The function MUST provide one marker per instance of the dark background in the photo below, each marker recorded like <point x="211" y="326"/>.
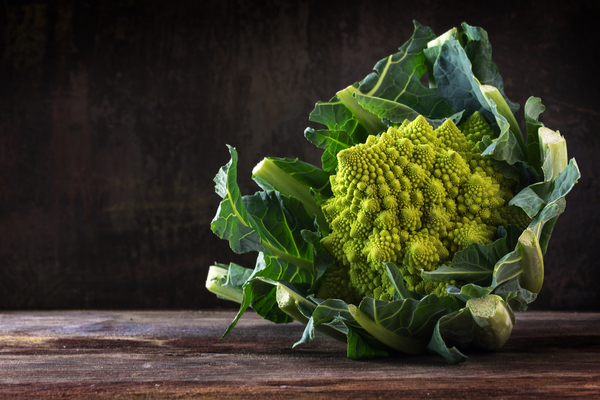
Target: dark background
<point x="114" y="118"/>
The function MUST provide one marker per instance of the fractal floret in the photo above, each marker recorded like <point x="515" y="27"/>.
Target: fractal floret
<point x="413" y="196"/>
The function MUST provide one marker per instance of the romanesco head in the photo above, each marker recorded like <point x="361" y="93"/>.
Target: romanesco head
<point x="413" y="196"/>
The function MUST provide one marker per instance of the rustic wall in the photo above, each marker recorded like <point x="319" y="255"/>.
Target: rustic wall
<point x="114" y="118"/>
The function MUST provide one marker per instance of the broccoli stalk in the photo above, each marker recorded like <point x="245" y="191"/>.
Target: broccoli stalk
<point x="553" y="149"/>
<point x="288" y="301"/>
<point x="217" y="282"/>
<point x="503" y="109"/>
<point x="439" y="41"/>
<point x="370" y="121"/>
<point x="269" y="174"/>
<point x="493" y="320"/>
<point x="291" y="303"/>
<point x="532" y="261"/>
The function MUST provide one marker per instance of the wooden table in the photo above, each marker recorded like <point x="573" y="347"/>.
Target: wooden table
<point x="142" y="354"/>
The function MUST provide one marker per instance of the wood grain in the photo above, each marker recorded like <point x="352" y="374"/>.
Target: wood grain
<point x="103" y="354"/>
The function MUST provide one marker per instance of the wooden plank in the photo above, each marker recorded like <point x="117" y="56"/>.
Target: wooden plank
<point x="139" y="354"/>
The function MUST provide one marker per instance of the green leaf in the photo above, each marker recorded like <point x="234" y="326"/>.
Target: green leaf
<point x="469" y="291"/>
<point x="554" y="210"/>
<point x="232" y="221"/>
<point x="485" y="322"/>
<point x="359" y="349"/>
<point x="264" y="221"/>
<point x="529" y="201"/>
<point x="307" y="175"/>
<point x="337" y="117"/>
<point x="533" y="109"/>
<point x="396" y="113"/>
<point x="274" y="268"/>
<point x="397" y="78"/>
<point x="261" y="295"/>
<point x="330" y="140"/>
<point x="279" y="221"/>
<point x="403" y="325"/>
<point x="307" y="335"/>
<point x="291" y="177"/>
<point x="512" y="293"/>
<point x="329" y="161"/>
<point x="565" y="181"/>
<point x="479" y="51"/>
<point x="334" y="314"/>
<point x="322" y="258"/>
<point x="459" y="87"/>
<point x="450" y="329"/>
<point x="398" y="281"/>
<point x="526" y="260"/>
<point x="226" y="281"/>
<point x="475" y="263"/>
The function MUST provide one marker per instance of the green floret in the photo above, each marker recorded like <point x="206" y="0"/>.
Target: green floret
<point x="412" y="196"/>
<point x="336" y="285"/>
<point x="475" y="128"/>
<point x="451" y="138"/>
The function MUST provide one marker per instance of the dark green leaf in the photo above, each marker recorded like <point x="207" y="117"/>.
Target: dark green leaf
<point x="232" y="221"/>
<point x="479" y="50"/>
<point x="307" y="174"/>
<point x="528" y="200"/>
<point x="337" y="117"/>
<point x="469" y="291"/>
<point x="512" y="293"/>
<point x="533" y="109"/>
<point x="331" y="140"/>
<point x="396" y="113"/>
<point x="359" y="349"/>
<point x="322" y="258"/>
<point x="475" y="263"/>
<point x="398" y="281"/>
<point x="260" y="294"/>
<point x="397" y="78"/>
<point x="452" y="328"/>
<point x="329" y="161"/>
<point x="458" y="86"/>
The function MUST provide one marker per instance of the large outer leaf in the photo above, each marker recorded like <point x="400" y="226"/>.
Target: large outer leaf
<point x="259" y="291"/>
<point x="232" y="221"/>
<point x="475" y="263"/>
<point x="398" y="78"/>
<point x="337" y="117"/>
<point x="526" y="261"/>
<point x="308" y="175"/>
<point x="479" y="50"/>
<point x="332" y="141"/>
<point x="458" y="86"/>
<point x="266" y="221"/>
<point x="396" y="113"/>
<point x="403" y="325"/>
<point x="485" y="322"/>
<point x="335" y="314"/>
<point x="452" y="331"/>
<point x="533" y="109"/>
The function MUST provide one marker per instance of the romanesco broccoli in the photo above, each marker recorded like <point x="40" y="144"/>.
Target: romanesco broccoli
<point x="413" y="196"/>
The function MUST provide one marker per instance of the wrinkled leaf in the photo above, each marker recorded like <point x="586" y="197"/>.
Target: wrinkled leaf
<point x="397" y="78"/>
<point x="475" y="263"/>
